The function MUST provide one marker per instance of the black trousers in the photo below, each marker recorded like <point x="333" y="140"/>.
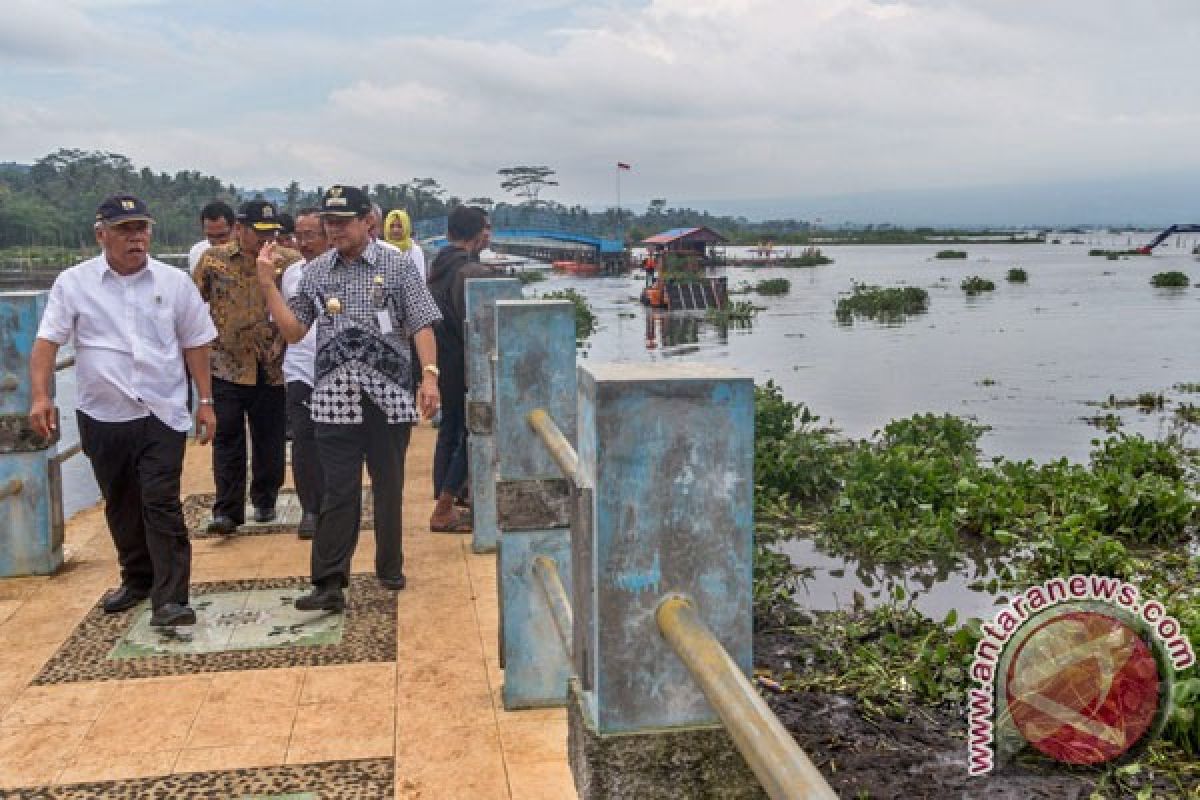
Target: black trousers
<point x="342" y="449"/>
<point x="137" y="465"/>
<point x="306" y="463"/>
<point x="450" y="453"/>
<point x="265" y="407"/>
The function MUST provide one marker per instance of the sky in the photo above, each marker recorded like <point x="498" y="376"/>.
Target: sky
<point x="764" y="107"/>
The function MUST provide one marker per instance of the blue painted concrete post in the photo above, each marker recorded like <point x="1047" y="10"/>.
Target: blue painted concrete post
<point x="535" y="368"/>
<point x="482" y="294"/>
<point x="30" y="544"/>
<point x="669" y="453"/>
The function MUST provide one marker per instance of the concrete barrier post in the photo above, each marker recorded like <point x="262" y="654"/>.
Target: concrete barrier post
<point x="481" y="295"/>
<point x="667" y="452"/>
<point x="30" y="541"/>
<point x="535" y="368"/>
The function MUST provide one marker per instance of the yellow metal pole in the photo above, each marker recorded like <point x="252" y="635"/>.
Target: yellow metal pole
<point x="783" y="769"/>
<point x="560" y="449"/>
<point x="12" y="488"/>
<point x="556" y="597"/>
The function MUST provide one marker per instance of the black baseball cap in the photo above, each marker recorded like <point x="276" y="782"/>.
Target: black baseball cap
<point x="260" y="215"/>
<point x="122" y="208"/>
<point x="286" y="222"/>
<point x="345" y="201"/>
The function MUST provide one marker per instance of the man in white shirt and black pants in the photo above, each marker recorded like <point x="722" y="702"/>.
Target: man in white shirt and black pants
<point x="135" y="322"/>
<point x="299" y="366"/>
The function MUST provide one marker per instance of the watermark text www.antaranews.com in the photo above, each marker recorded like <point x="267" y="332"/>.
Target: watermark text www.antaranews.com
<point x="1116" y="657"/>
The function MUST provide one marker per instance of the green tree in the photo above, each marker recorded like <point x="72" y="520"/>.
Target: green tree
<point x="527" y="181"/>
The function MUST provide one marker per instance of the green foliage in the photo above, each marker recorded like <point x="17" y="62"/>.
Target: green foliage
<point x="888" y="658"/>
<point x="1188" y="388"/>
<point x="945" y="254"/>
<point x="1170" y="280"/>
<point x="810" y="257"/>
<point x="54" y="202"/>
<point x="975" y="285"/>
<point x="1017" y="275"/>
<point x="773" y="286"/>
<point x="875" y="302"/>
<point x="1146" y="401"/>
<point x="1189" y="413"/>
<point x="793" y="457"/>
<point x="528" y="276"/>
<point x="916" y="490"/>
<point x="585" y="319"/>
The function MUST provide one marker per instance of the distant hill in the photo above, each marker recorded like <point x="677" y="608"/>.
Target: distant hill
<point x="1118" y="202"/>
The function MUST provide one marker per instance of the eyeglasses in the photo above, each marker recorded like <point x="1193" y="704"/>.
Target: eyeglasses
<point x="131" y="228"/>
<point x="309" y="237"/>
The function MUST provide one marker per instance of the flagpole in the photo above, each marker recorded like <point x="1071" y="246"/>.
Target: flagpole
<point x="619" y="228"/>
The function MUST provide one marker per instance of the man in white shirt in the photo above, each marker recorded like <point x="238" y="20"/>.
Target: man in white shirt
<point x="299" y="364"/>
<point x="135" y="322"/>
<point x="216" y="219"/>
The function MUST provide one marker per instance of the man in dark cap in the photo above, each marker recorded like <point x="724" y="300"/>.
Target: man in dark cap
<point x="247" y="369"/>
<point x="368" y="303"/>
<point x="135" y="322"/>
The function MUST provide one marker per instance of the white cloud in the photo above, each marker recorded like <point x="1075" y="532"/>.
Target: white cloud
<point x="705" y="97"/>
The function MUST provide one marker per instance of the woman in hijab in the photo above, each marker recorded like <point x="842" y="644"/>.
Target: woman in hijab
<point x="397" y="231"/>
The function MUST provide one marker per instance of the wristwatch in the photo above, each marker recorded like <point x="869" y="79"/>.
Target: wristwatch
<point x="205" y="401"/>
<point x="437" y="373"/>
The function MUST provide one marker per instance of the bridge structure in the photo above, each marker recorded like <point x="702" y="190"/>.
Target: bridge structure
<point x="546" y="244"/>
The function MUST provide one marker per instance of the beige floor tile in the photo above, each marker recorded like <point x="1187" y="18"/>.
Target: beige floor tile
<point x="206" y="759"/>
<point x="325" y="732"/>
<point x="441" y="668"/>
<point x="144" y="716"/>
<point x="98" y="766"/>
<point x="34" y="755"/>
<point x="257" y="687"/>
<point x="351" y="683"/>
<point x="545" y="780"/>
<point x="220" y="724"/>
<point x="527" y="741"/>
<point x="455" y="762"/>
<point x="417" y="704"/>
<point x="8" y="608"/>
<point x="34" y="624"/>
<point x="64" y="703"/>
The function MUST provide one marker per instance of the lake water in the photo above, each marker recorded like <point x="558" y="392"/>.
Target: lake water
<point x="1026" y="360"/>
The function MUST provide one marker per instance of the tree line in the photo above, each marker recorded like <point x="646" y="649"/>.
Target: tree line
<point x="52" y="203"/>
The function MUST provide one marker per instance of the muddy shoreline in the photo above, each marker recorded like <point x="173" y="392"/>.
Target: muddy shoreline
<point x="921" y="754"/>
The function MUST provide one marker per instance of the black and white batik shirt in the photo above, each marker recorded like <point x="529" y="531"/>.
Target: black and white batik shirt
<point x="366" y="312"/>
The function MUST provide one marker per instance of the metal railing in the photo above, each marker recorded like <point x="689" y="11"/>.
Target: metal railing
<point x="781" y="766"/>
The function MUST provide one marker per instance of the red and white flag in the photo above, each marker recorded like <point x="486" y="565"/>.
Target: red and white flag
<point x="623" y="165"/>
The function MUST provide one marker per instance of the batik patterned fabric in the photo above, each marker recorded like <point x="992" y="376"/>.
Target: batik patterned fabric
<point x="227" y="279"/>
<point x="366" y="312"/>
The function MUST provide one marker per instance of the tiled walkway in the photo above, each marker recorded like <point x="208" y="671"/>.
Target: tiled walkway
<point x="329" y="715"/>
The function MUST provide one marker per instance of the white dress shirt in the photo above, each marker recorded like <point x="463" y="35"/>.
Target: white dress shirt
<point x="194" y="255"/>
<point x="130" y="332"/>
<point x="417" y="254"/>
<point x="299" y="362"/>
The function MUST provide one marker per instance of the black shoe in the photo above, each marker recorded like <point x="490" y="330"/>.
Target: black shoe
<point x="172" y="614"/>
<point x="223" y="525"/>
<point x="264" y="514"/>
<point x="395" y="584"/>
<point x="122" y="599"/>
<point x="319" y="599"/>
<point x="308" y="525"/>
